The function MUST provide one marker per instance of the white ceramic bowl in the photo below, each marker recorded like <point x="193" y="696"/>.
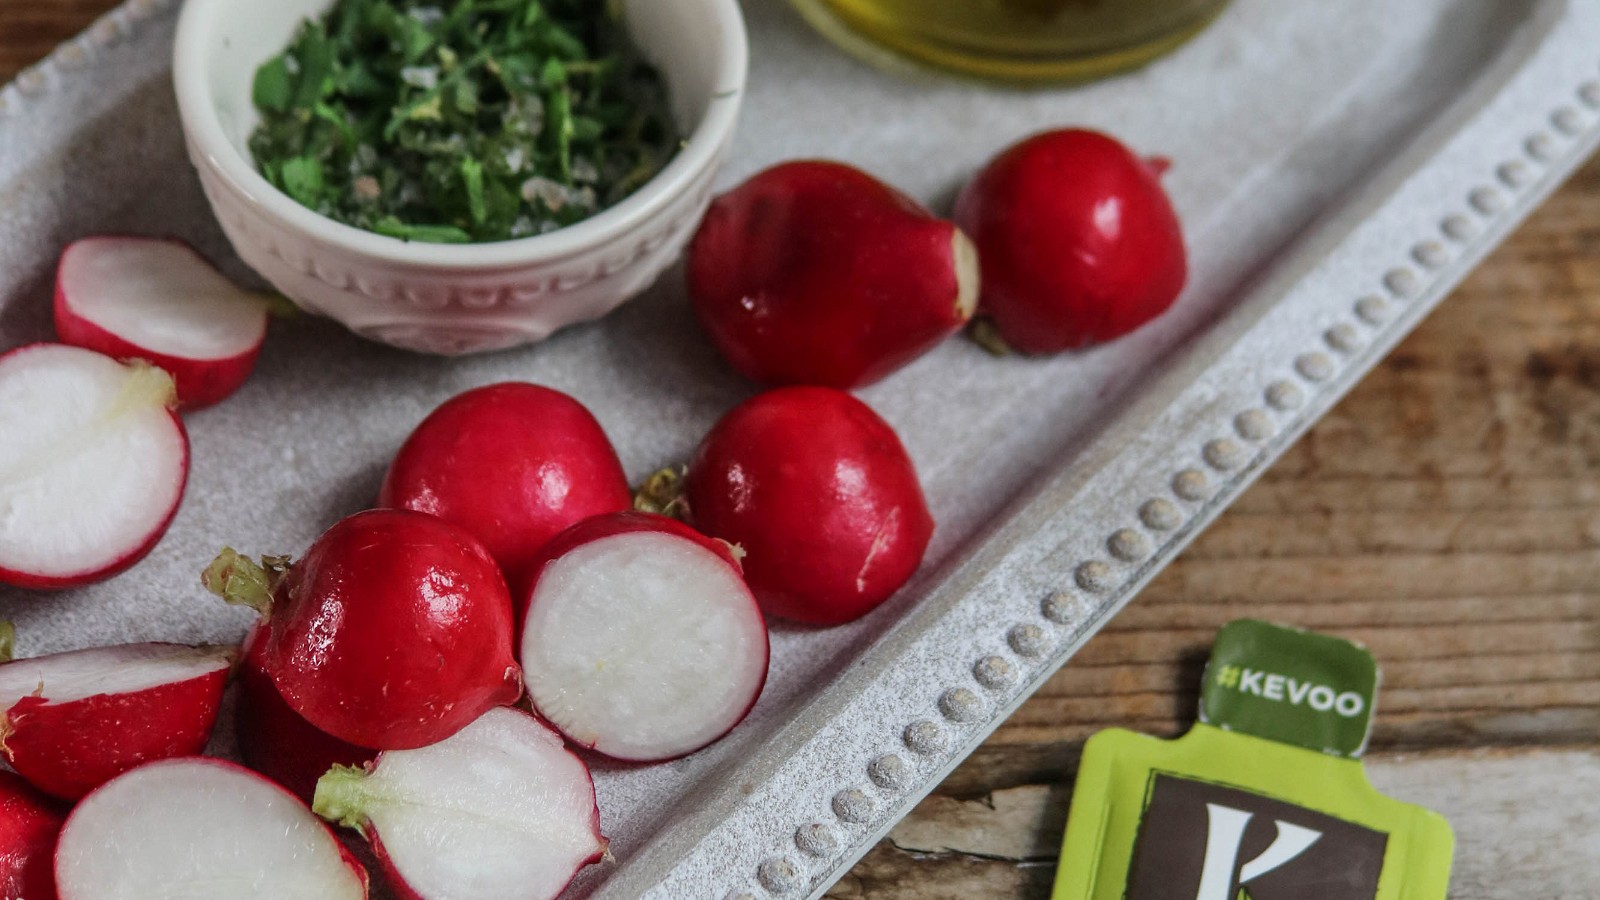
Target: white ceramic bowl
<point x="456" y="298"/>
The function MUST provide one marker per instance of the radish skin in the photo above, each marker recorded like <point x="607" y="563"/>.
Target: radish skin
<point x="513" y="464"/>
<point x="821" y="495"/>
<point x="29" y="826"/>
<point x="274" y="740"/>
<point x="814" y="272"/>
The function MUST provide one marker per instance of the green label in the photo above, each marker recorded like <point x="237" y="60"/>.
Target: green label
<point x="1296" y="687"/>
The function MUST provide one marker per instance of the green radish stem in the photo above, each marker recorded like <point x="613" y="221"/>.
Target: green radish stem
<point x="341" y="797"/>
<point x="8" y="647"/>
<point x="241" y="581"/>
<point x="984" y="333"/>
<point x="662" y="494"/>
<point x="277" y="305"/>
<point x="146" y="386"/>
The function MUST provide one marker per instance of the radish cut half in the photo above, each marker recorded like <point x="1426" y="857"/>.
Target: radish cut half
<point x="501" y="810"/>
<point x="644" y="643"/>
<point x="160" y="301"/>
<point x="200" y="829"/>
<point x="62" y="678"/>
<point x="73" y="721"/>
<point x="93" y="463"/>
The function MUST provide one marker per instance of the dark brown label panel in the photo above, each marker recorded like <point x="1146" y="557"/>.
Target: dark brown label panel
<point x="1200" y="841"/>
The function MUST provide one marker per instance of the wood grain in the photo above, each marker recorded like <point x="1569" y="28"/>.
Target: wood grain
<point x="29" y="29"/>
<point x="1447" y="514"/>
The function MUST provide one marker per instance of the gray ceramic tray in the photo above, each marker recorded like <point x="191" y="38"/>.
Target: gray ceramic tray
<point x="1339" y="167"/>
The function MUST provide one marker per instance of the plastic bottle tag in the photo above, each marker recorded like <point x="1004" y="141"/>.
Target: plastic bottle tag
<point x="1264" y="799"/>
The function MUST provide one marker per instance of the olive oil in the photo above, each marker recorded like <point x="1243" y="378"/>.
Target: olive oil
<point x="1014" y="40"/>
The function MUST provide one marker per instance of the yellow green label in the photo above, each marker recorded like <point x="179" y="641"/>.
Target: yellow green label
<point x="1225" y="816"/>
<point x="1265" y="799"/>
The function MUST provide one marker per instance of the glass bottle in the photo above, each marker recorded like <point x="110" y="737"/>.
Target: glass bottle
<point x="1014" y="40"/>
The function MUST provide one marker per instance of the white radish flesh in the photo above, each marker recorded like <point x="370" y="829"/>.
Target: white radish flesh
<point x="200" y="829"/>
<point x="92" y="464"/>
<point x="501" y="810"/>
<point x="643" y="645"/>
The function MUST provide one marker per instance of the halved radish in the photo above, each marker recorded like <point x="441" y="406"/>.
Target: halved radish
<point x="160" y="301"/>
<point x="93" y="463"/>
<point x="273" y="738"/>
<point x="29" y="826"/>
<point x="75" y="720"/>
<point x="200" y="829"/>
<point x="640" y="639"/>
<point x="501" y="810"/>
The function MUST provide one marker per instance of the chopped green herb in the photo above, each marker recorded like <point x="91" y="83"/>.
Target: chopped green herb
<point x="433" y="234"/>
<point x="463" y="121"/>
<point x="274" y="86"/>
<point x="472" y="177"/>
<point x="302" y="178"/>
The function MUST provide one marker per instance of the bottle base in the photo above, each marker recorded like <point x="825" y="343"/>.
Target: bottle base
<point x="889" y="50"/>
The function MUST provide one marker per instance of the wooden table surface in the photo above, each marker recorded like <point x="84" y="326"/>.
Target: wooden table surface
<point x="1446" y="514"/>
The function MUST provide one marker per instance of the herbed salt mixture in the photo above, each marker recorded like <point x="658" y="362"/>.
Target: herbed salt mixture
<point x="474" y="121"/>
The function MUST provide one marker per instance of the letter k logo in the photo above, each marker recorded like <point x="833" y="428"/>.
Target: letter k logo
<point x="1224" y="837"/>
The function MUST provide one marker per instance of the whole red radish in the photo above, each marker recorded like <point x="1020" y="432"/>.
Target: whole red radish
<point x="814" y="272"/>
<point x="513" y="464"/>
<point x="159" y="301"/>
<point x="274" y="740"/>
<point x="75" y="720"/>
<point x="1078" y="240"/>
<point x="93" y="462"/>
<point x="393" y="631"/>
<point x="200" y="829"/>
<point x="500" y="810"/>
<point x="29" y="825"/>
<point x="819" y="492"/>
<point x="639" y="638"/>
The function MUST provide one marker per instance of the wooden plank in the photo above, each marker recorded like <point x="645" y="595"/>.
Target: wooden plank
<point x="29" y="29"/>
